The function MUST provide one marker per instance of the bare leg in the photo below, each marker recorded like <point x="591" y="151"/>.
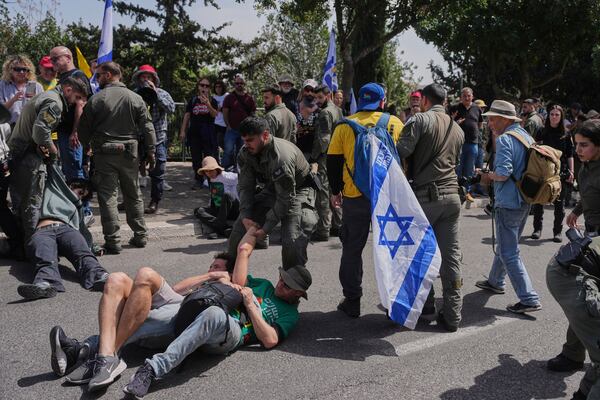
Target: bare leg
<point x="116" y="291"/>
<point x="147" y="282"/>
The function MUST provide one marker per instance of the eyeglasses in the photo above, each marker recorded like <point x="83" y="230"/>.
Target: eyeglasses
<point x="203" y="85"/>
<point x="21" y="70"/>
<point x="55" y="58"/>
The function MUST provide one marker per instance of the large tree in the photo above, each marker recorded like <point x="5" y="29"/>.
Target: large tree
<point x="363" y="28"/>
<point x="516" y="48"/>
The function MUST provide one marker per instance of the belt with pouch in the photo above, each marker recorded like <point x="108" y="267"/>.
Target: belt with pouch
<point x="431" y="192"/>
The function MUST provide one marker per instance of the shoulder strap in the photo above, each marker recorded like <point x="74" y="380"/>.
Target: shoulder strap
<point x="357" y="129"/>
<point x="384" y="119"/>
<point x="519" y="138"/>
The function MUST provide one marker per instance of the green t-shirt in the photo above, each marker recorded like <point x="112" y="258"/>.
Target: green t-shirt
<point x="278" y="313"/>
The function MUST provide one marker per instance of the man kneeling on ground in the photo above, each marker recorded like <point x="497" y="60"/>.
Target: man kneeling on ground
<point x="268" y="322"/>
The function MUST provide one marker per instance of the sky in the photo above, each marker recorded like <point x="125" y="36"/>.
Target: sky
<point x="245" y="25"/>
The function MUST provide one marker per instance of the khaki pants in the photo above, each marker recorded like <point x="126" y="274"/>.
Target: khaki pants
<point x="443" y="215"/>
<point x="115" y="171"/>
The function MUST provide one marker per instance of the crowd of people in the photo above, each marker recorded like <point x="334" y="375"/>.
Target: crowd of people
<point x="63" y="138"/>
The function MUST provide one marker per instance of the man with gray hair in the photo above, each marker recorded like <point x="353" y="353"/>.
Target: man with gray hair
<point x="510" y="209"/>
<point x="468" y="116"/>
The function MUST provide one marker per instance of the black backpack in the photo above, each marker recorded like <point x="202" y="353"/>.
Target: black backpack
<point x="206" y="295"/>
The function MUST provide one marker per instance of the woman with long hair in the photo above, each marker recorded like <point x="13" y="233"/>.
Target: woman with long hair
<point x="198" y="128"/>
<point x="554" y="135"/>
<point x="18" y="84"/>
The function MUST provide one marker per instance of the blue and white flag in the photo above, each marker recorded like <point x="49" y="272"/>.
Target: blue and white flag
<point x="106" y="38"/>
<point x="353" y="105"/>
<point x="106" y="43"/>
<point x="329" y="74"/>
<point x="407" y="257"/>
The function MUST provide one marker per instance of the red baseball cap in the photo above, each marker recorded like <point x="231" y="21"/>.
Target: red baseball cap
<point x="46" y="62"/>
<point x="416" y="93"/>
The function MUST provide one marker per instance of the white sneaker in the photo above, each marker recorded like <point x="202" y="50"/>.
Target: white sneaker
<point x="167" y="187"/>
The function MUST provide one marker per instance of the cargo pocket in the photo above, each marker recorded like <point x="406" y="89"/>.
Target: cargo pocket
<point x="592" y="297"/>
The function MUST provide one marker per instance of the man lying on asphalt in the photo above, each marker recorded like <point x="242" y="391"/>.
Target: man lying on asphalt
<point x="270" y="314"/>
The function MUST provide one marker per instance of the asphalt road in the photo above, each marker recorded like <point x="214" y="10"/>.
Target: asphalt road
<point x="495" y="354"/>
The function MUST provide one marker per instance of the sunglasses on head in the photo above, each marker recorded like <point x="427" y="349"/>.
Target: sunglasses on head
<point x="20" y="69"/>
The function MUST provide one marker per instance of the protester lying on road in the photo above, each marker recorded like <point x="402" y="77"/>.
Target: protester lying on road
<point x="61" y="231"/>
<point x="270" y="315"/>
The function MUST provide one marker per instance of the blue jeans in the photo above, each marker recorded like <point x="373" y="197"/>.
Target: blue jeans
<point x="71" y="161"/>
<point x="48" y="242"/>
<point x="468" y="157"/>
<point x="509" y="227"/>
<point x="158" y="331"/>
<point x="207" y="331"/>
<point x="233" y="143"/>
<point x="157" y="175"/>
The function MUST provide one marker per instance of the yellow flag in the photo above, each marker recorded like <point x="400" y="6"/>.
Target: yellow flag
<point x="83" y="64"/>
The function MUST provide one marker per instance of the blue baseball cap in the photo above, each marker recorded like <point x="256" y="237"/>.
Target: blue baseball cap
<point x="369" y="97"/>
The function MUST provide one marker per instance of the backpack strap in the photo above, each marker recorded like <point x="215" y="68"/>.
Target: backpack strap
<point x="523" y="142"/>
<point x="357" y="129"/>
<point x="384" y="119"/>
<point x="519" y="138"/>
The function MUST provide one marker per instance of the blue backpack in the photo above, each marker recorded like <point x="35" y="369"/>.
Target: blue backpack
<point x="362" y="150"/>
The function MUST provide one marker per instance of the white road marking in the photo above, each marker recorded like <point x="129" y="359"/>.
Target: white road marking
<point x="438" y="339"/>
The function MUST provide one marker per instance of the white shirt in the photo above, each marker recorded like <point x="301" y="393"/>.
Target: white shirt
<point x="219" y="120"/>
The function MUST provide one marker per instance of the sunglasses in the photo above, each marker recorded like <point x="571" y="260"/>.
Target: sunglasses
<point x="55" y="58"/>
<point x="20" y="69"/>
<point x="203" y="85"/>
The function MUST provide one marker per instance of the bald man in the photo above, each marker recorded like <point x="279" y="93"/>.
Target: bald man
<point x="71" y="152"/>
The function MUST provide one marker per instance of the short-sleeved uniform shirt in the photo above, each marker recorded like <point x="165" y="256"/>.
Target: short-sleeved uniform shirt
<point x="279" y="314"/>
<point x="342" y="143"/>
<point x="470" y="125"/>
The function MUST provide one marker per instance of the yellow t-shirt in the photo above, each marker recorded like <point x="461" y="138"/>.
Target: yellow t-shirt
<point x="342" y="142"/>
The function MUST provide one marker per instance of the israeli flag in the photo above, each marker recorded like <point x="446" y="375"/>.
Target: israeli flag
<point x="353" y="105"/>
<point x="407" y="257"/>
<point x="106" y="39"/>
<point x="329" y="74"/>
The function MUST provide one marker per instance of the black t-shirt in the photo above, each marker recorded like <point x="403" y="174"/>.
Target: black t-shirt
<point x="199" y="113"/>
<point x="66" y="123"/>
<point x="470" y="125"/>
<point x="553" y="137"/>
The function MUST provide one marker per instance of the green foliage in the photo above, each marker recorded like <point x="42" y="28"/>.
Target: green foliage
<point x="396" y="75"/>
<point x="516" y="48"/>
<point x="294" y="46"/>
<point x="19" y="38"/>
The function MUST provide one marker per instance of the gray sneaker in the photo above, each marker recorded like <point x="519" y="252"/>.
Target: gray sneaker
<point x="82" y="374"/>
<point x="106" y="370"/>
<point x="167" y="187"/>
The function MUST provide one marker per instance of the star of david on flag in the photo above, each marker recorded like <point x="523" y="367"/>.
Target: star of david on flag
<point x="407" y="258"/>
<point x="403" y="237"/>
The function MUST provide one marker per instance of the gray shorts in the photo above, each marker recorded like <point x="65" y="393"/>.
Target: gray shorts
<point x="165" y="295"/>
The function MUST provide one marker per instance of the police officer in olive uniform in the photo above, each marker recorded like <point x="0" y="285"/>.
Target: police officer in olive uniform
<point x="282" y="122"/>
<point x="110" y="122"/>
<point x="431" y="143"/>
<point x="573" y="279"/>
<point x="31" y="146"/>
<point x="287" y="195"/>
<point x="328" y="117"/>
